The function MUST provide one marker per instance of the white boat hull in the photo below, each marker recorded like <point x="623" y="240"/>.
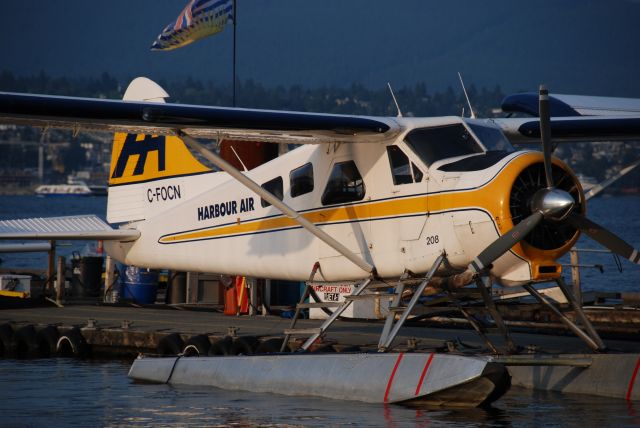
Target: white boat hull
<point x="63" y="190"/>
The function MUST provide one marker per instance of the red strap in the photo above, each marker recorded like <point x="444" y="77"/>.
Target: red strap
<point x="424" y="373"/>
<point x="633" y="380"/>
<point x="393" y="373"/>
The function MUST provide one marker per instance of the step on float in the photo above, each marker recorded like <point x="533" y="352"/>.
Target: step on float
<point x="416" y="378"/>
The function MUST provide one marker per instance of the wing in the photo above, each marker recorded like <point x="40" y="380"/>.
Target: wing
<point x="574" y="118"/>
<point x="83" y="227"/>
<point x="572" y="129"/>
<point x="198" y="121"/>
<point x="572" y="105"/>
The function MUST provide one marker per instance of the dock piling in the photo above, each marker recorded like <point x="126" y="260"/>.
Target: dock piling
<point x="61" y="279"/>
<point x="253" y="296"/>
<point x="110" y="293"/>
<point x="51" y="262"/>
<point x="192" y="287"/>
<point x="575" y="275"/>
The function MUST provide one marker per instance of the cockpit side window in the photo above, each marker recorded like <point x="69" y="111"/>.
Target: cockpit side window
<point x="402" y="171"/>
<point x="345" y="184"/>
<point x="417" y="174"/>
<point x="441" y="142"/>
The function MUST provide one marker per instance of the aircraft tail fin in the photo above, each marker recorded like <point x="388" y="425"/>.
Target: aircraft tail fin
<point x="142" y="165"/>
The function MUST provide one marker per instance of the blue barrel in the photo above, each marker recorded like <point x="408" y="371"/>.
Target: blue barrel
<point x="139" y="285"/>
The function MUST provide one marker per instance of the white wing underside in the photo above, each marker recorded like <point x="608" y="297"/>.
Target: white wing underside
<point x="80" y="227"/>
<point x="311" y="137"/>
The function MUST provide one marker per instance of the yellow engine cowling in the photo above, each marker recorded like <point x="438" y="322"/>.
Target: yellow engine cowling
<point x="549" y="240"/>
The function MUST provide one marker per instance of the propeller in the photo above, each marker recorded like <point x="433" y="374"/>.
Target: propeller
<point x="545" y="132"/>
<point x="554" y="204"/>
<point x="505" y="242"/>
<point x="604" y="237"/>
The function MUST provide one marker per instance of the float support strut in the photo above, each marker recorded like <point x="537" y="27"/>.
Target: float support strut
<point x="570" y="324"/>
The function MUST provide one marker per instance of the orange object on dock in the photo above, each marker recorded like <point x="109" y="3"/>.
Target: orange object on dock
<point x="236" y="300"/>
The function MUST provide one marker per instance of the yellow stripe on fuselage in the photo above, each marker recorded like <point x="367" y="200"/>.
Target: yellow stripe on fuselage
<point x="362" y="212"/>
<point x="492" y="197"/>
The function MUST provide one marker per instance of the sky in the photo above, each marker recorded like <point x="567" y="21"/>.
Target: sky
<point x="574" y="46"/>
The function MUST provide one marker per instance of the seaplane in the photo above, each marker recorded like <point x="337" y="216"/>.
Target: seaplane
<point x="437" y="202"/>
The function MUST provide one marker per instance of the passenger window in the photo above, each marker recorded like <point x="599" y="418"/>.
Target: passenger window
<point x="402" y="171"/>
<point x="345" y="184"/>
<point x="301" y="180"/>
<point x="275" y="187"/>
<point x="441" y="142"/>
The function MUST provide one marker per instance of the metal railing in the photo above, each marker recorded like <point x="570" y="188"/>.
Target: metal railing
<point x="576" y="266"/>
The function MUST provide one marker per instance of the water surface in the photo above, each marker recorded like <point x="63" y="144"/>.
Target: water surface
<point x="66" y="392"/>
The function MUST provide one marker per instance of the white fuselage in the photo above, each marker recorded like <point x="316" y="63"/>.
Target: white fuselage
<point x="217" y="225"/>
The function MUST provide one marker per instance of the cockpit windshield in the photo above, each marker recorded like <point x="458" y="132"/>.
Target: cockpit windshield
<point x="491" y="138"/>
<point x="441" y="142"/>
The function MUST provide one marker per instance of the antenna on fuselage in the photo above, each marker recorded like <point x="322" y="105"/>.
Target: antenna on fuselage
<point x="473" y="114"/>
<point x="394" y="100"/>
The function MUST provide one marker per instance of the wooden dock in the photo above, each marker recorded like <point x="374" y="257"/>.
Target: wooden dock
<point x="112" y="328"/>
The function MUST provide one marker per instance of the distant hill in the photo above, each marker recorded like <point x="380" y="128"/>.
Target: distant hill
<point x="587" y="46"/>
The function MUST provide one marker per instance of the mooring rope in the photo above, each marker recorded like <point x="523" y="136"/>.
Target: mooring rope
<point x="173" y="368"/>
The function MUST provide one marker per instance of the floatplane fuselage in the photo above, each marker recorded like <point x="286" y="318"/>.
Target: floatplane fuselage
<point x="445" y="185"/>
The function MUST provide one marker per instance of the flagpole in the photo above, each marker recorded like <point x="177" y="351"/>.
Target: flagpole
<point x="235" y="22"/>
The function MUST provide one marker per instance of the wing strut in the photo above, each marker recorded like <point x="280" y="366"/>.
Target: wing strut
<point x="269" y="197"/>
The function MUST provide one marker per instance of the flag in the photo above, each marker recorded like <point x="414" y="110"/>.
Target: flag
<point x="199" y="19"/>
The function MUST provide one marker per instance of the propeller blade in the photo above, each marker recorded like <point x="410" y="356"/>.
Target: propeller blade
<point x="545" y="132"/>
<point x="505" y="242"/>
<point x="604" y="237"/>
